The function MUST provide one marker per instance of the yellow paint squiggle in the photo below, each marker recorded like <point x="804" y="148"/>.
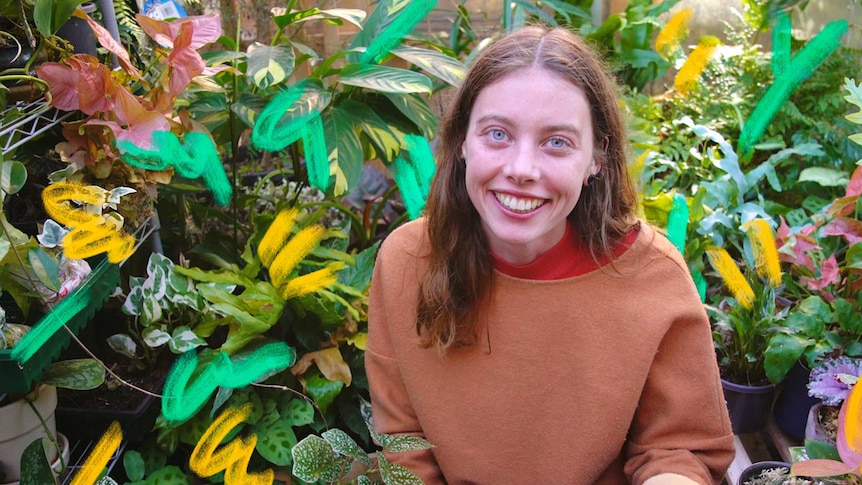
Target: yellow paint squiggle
<point x="233" y="457"/>
<point x="91" y="234"/>
<point x="97" y="461"/>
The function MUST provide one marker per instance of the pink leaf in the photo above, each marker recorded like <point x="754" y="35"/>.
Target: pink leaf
<point x="820" y="468"/>
<point x="849" y="229"/>
<point x="138" y="122"/>
<point x="184" y="62"/>
<point x="849" y="452"/>
<point x="828" y="275"/>
<point x="79" y="82"/>
<point x="855" y="185"/>
<point x="206" y="29"/>
<point x="108" y="42"/>
<point x="842" y="206"/>
<point x="793" y="248"/>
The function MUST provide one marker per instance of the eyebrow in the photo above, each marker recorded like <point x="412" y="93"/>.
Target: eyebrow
<point x="574" y="130"/>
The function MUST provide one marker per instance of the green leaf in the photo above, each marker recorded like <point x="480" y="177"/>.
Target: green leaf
<point x="343" y="145"/>
<point x="156" y="337"/>
<point x="820" y="450"/>
<point x="383" y="14"/>
<point x="447" y="68"/>
<point x="342" y="443"/>
<point x="50" y="15"/>
<point x="274" y="442"/>
<point x="52" y="234"/>
<point x="13" y="175"/>
<point x="152" y="310"/>
<point x="35" y="469"/>
<point x="170" y="475"/>
<point x="133" y="463"/>
<point x="76" y="374"/>
<point x="358" y="274"/>
<point x="394" y="474"/>
<point x="783" y="351"/>
<point x="853" y="258"/>
<point x="354" y="16"/>
<point x="386" y="140"/>
<point x="123" y="344"/>
<point x="269" y="65"/>
<point x="827" y="177"/>
<point x="385" y="79"/>
<point x="298" y="412"/>
<point x="416" y="109"/>
<point x="45" y="268"/>
<point x="399" y="442"/>
<point x="314" y="459"/>
<point x="183" y="339"/>
<point x="322" y="390"/>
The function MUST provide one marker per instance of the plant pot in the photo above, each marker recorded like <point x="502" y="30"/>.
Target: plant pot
<point x="814" y="429"/>
<point x="21" y="426"/>
<point x="61" y="463"/>
<point x="793" y="402"/>
<point x="748" y="406"/>
<point x="78" y="32"/>
<point x="755" y="469"/>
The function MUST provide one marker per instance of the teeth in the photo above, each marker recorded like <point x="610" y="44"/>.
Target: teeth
<point x="519" y="205"/>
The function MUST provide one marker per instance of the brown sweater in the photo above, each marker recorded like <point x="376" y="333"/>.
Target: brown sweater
<point x="608" y="377"/>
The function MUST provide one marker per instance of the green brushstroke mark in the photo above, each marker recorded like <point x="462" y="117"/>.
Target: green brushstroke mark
<point x="51" y="324"/>
<point x="789" y="74"/>
<point x="414" y="175"/>
<point x="677" y="222"/>
<point x="700" y="284"/>
<point x="272" y="135"/>
<point x="184" y="396"/>
<point x="390" y="37"/>
<point x="195" y="157"/>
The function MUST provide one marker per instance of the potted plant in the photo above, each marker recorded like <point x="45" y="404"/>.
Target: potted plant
<point x="31" y="415"/>
<point x="745" y="322"/>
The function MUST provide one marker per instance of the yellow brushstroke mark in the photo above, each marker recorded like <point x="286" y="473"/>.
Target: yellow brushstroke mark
<point x="853" y="419"/>
<point x="764" y="250"/>
<point x="309" y="283"/>
<point x="300" y="246"/>
<point x="276" y="236"/>
<point x="673" y="33"/>
<point x="91" y="234"/>
<point x="97" y="460"/>
<point x="732" y="276"/>
<point x="693" y="67"/>
<point x="233" y="457"/>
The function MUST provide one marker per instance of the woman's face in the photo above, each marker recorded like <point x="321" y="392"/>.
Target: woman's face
<point x="528" y="152"/>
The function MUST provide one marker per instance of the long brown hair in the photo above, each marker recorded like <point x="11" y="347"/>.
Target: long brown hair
<point x="461" y="271"/>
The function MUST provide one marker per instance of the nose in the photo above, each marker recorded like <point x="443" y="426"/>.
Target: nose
<point x="522" y="167"/>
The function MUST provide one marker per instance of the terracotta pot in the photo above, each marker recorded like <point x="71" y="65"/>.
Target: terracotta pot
<point x="21" y="426"/>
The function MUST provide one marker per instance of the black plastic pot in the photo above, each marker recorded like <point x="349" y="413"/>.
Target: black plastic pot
<point x="793" y="402"/>
<point x="755" y="469"/>
<point x="749" y="406"/>
<point x="78" y="32"/>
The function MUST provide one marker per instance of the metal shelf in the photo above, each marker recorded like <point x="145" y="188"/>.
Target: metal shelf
<point x="24" y="121"/>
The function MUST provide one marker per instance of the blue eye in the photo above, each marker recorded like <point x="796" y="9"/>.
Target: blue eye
<point x="497" y="135"/>
<point x="557" y="143"/>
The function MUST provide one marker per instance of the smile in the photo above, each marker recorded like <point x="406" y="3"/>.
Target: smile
<point x="516" y="204"/>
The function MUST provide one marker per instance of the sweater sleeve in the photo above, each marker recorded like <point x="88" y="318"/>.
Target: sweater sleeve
<point x="391" y="409"/>
<point x="681" y="425"/>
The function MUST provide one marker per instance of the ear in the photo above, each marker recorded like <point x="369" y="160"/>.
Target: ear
<point x="464" y="150"/>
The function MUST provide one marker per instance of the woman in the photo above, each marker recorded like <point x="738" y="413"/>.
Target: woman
<point x="530" y="327"/>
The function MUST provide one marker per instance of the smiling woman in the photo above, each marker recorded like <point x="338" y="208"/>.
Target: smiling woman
<point x="560" y="339"/>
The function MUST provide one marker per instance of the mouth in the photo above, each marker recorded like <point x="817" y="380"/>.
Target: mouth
<point x="518" y="204"/>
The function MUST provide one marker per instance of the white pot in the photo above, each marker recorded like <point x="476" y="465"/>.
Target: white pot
<point x="59" y="465"/>
<point x="21" y="426"/>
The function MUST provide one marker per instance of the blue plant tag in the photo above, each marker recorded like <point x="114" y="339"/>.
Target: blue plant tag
<point x="163" y="9"/>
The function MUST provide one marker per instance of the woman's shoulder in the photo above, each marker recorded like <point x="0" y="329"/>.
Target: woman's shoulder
<point x="408" y="239"/>
<point x="653" y="246"/>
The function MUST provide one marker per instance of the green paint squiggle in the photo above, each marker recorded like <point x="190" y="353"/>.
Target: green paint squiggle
<point x="414" y="176"/>
<point x="401" y="26"/>
<point x="195" y="157"/>
<point x="184" y="396"/>
<point x="677" y="222"/>
<point x="271" y="134"/>
<point x="789" y="75"/>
